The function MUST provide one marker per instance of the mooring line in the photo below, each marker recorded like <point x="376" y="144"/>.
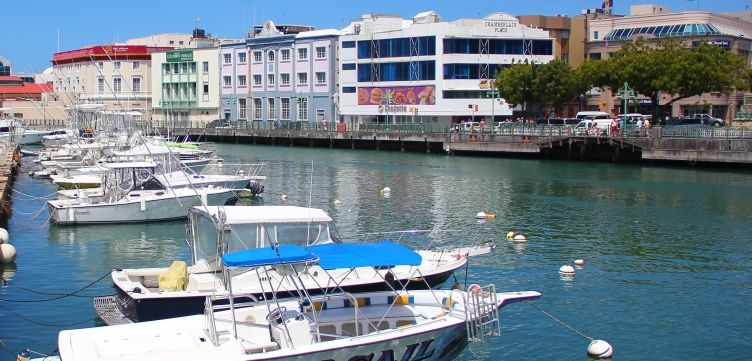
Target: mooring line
<point x="560" y="321"/>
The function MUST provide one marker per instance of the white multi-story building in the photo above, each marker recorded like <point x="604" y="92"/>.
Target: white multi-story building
<point x="185" y="85"/>
<point x="426" y="70"/>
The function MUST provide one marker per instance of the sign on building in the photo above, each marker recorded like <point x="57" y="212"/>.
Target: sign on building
<point x="174" y="56"/>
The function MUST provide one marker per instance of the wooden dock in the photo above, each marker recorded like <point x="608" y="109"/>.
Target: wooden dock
<point x="10" y="159"/>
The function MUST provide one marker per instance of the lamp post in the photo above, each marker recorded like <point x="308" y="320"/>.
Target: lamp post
<point x="493" y="94"/>
<point x="582" y="100"/>
<point x="626" y="93"/>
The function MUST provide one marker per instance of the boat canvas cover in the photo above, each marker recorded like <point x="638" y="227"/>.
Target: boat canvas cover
<point x="265" y="214"/>
<point x="352" y="255"/>
<point x="268" y="256"/>
<point x="330" y="256"/>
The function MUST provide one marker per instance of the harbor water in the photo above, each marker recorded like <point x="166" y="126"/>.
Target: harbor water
<point x="667" y="250"/>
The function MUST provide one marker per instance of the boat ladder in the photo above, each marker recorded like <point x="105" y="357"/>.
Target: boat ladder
<point x="481" y="313"/>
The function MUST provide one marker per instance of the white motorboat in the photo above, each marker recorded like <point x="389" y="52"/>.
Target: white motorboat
<point x="133" y="194"/>
<point x="142" y="297"/>
<point x="12" y="130"/>
<point x="388" y="325"/>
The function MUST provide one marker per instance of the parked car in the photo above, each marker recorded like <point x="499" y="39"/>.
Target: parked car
<point x="707" y="119"/>
<point x="219" y="123"/>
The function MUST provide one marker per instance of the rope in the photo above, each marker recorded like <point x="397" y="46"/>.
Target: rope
<point x="34" y="214"/>
<point x="8" y="282"/>
<point x="43" y="323"/>
<point x="59" y="296"/>
<point x="559" y="321"/>
<point x="33" y="197"/>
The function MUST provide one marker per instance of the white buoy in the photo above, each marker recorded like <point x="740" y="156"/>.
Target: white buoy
<point x="387" y="189"/>
<point x="567" y="270"/>
<point x="519" y="238"/>
<point x="600" y="349"/>
<point x="579" y="262"/>
<point x="284" y="197"/>
<point x="337" y="203"/>
<point x="7" y="253"/>
<point x="3" y="236"/>
<point x="481" y="215"/>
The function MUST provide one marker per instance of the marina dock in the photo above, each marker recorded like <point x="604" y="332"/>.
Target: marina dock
<point x="723" y="145"/>
<point x="8" y="166"/>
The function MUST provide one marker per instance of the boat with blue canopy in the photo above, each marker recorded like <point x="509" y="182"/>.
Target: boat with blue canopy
<point x="338" y="325"/>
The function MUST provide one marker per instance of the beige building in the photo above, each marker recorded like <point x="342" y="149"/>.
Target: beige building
<point x="185" y="85"/>
<point x="568" y="34"/>
<point x="607" y="34"/>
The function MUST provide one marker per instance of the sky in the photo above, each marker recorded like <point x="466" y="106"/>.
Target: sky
<point x="31" y="28"/>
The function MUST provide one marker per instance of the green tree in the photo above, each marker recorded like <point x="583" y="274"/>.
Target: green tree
<point x="555" y="84"/>
<point x="516" y="85"/>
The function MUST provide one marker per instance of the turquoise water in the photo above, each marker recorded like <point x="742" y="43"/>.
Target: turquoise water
<point x="668" y="251"/>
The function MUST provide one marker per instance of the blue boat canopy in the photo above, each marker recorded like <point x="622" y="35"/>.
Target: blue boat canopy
<point x="351" y="255"/>
<point x="330" y="256"/>
<point x="268" y="256"/>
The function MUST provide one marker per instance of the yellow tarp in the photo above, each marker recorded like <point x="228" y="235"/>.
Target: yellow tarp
<point x="175" y="278"/>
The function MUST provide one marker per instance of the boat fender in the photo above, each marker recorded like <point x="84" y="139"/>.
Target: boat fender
<point x="7" y="253"/>
<point x="136" y="290"/>
<point x="3" y="236"/>
<point x="24" y="355"/>
<point x="143" y="204"/>
<point x="474" y="289"/>
<point x="600" y="349"/>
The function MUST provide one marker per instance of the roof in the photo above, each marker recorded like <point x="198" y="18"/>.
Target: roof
<point x="10" y="78"/>
<point x="329" y="256"/>
<point x="317" y="33"/>
<point x="26" y="88"/>
<point x="266" y="214"/>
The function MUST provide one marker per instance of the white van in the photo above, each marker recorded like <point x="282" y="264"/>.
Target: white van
<point x="592" y="115"/>
<point x="602" y="126"/>
<point x="470" y="127"/>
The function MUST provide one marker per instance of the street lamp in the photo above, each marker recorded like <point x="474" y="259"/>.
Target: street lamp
<point x="582" y="100"/>
<point x="626" y="93"/>
<point x="493" y="94"/>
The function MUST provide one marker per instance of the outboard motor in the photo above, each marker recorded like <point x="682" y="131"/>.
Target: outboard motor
<point x="256" y="188"/>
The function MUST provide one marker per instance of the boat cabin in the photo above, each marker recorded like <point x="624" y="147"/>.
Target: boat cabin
<point x="214" y="231"/>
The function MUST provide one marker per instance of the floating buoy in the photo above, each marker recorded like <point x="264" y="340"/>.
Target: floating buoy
<point x="567" y="270"/>
<point x="284" y="197"/>
<point x="387" y="189"/>
<point x="337" y="203"/>
<point x="519" y="238"/>
<point x="600" y="349"/>
<point x="3" y="236"/>
<point x="485" y="215"/>
<point x="24" y="355"/>
<point x="579" y="262"/>
<point x="7" y="253"/>
<point x="385" y="192"/>
<point x="510" y="235"/>
<point x="480" y="215"/>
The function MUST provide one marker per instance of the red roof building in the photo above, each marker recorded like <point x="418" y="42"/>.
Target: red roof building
<point x="13" y="88"/>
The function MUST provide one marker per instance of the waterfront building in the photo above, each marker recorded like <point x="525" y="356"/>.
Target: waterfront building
<point x="607" y="34"/>
<point x="280" y="74"/>
<point x="185" y="85"/>
<point x="395" y="70"/>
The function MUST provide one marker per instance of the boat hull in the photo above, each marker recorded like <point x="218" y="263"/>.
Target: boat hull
<point x="132" y="211"/>
<point x="186" y="304"/>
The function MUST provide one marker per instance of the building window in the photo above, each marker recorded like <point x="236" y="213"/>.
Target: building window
<point x="470" y="71"/>
<point x="256" y="56"/>
<point x="100" y="85"/>
<point x="399" y="71"/>
<point x="302" y="108"/>
<point x="227" y="58"/>
<point x="166" y="68"/>
<point x="241" y="80"/>
<point x="272" y="110"/>
<point x="285" y="78"/>
<point x="256" y="80"/>
<point x="285" y="54"/>
<point x="227" y="81"/>
<point x="348" y="89"/>
<point x="302" y="53"/>
<point x="285" y="103"/>
<point x="270" y="56"/>
<point x="206" y="88"/>
<point x="184" y="68"/>
<point x="242" y="108"/>
<point x="117" y="85"/>
<point x="136" y="65"/>
<point x="100" y="65"/>
<point x="302" y="78"/>
<point x="206" y="67"/>
<point x="320" y="52"/>
<point x="348" y="44"/>
<point x="193" y="68"/>
<point x="595" y="35"/>
<point x="116" y="64"/>
<point x="348" y="66"/>
<point x="494" y="46"/>
<point x="398" y="47"/>
<point x="257" y="108"/>
<point x="270" y="79"/>
<point x="175" y="68"/>
<point x="136" y="81"/>
<point x="241" y="58"/>
<point x="320" y="78"/>
<point x="595" y="56"/>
